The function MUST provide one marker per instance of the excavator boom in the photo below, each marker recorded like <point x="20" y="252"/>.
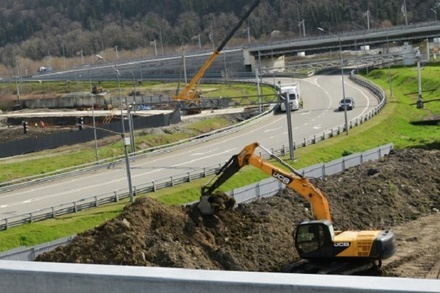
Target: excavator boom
<point x="293" y="180"/>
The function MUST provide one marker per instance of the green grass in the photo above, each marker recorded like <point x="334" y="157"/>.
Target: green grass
<point x="65" y="158"/>
<point x="391" y="125"/>
<point x="71" y="156"/>
<point x="45" y="231"/>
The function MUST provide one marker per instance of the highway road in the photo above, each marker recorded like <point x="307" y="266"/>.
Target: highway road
<point x="321" y="95"/>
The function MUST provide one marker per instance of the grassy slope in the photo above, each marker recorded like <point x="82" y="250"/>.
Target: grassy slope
<point x="391" y="125"/>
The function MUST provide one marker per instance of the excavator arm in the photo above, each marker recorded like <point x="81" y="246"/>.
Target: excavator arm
<point x="292" y="179"/>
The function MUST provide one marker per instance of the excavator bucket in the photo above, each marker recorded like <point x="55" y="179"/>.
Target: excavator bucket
<point x="213" y="203"/>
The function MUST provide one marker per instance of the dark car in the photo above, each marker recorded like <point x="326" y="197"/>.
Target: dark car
<point x="347" y="102"/>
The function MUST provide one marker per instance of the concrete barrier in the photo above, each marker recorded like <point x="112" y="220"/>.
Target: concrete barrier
<point x="35" y="277"/>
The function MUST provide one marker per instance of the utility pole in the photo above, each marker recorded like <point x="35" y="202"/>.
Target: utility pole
<point x="368" y="19"/>
<point x="302" y="26"/>
<point x="405" y="12"/>
<point x="342" y="77"/>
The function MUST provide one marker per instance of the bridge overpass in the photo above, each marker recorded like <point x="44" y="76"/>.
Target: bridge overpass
<point x="236" y="62"/>
<point x="350" y="40"/>
<point x="273" y="55"/>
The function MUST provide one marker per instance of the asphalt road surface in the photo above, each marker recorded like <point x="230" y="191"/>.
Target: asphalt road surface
<point x="321" y="96"/>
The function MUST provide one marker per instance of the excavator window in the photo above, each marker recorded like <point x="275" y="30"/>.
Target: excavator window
<point x="310" y="238"/>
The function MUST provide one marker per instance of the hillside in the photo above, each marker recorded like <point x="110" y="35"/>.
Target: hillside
<point x="40" y="29"/>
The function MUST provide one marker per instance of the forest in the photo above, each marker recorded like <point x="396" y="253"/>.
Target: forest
<point x="39" y="29"/>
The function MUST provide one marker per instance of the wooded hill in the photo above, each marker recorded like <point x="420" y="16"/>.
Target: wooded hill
<point x="36" y="29"/>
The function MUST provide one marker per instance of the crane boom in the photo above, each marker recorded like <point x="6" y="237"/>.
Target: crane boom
<point x="190" y="90"/>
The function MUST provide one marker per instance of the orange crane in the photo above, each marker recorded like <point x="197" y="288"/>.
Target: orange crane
<point x="190" y="98"/>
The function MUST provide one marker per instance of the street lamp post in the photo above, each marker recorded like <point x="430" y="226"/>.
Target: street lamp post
<point x="131" y="126"/>
<point x="132" y="107"/>
<point x="185" y="78"/>
<point x="126" y="143"/>
<point x="435" y="13"/>
<point x="93" y="115"/>
<point x="418" y="57"/>
<point x="154" y="43"/>
<point x="342" y="76"/>
<point x="389" y="68"/>
<point x="405" y="12"/>
<point x="16" y="85"/>
<point x="117" y="52"/>
<point x="434" y="9"/>
<point x="81" y="53"/>
<point x="289" y="121"/>
<point x="302" y="25"/>
<point x="211" y="34"/>
<point x="161" y="42"/>
<point x="125" y="140"/>
<point x="367" y="14"/>
<point x="386" y="55"/>
<point x="197" y="37"/>
<point x="257" y="79"/>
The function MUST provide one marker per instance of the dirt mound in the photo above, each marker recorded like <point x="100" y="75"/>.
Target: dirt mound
<point x="257" y="236"/>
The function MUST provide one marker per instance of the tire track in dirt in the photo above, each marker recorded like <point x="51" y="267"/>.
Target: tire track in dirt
<point x="418" y="249"/>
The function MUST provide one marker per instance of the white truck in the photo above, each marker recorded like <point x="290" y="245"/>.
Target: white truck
<point x="44" y="69"/>
<point x="292" y="91"/>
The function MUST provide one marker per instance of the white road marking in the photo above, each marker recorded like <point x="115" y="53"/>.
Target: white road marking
<point x="273" y="129"/>
<point x="203" y="153"/>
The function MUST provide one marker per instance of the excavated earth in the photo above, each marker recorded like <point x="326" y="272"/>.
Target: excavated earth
<point x="400" y="192"/>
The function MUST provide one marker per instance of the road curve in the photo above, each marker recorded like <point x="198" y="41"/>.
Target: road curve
<point x="321" y="94"/>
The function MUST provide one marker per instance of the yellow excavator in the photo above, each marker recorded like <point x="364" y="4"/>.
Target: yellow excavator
<point x="322" y="249"/>
<point x="189" y="98"/>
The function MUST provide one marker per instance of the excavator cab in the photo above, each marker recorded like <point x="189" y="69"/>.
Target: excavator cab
<point x="314" y="239"/>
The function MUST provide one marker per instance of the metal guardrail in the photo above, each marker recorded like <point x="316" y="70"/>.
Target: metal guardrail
<point x="100" y="199"/>
<point x="271" y="186"/>
<point x="106" y="163"/>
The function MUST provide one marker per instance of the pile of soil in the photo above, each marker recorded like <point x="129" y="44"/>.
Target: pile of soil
<point x="400" y="191"/>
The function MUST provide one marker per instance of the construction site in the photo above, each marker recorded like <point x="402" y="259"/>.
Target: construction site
<point x="398" y="193"/>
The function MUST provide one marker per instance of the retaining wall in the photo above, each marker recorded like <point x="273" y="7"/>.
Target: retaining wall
<point x="29" y="145"/>
<point x="24" y="277"/>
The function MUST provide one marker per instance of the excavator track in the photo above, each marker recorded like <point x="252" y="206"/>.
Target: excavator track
<point x="335" y="267"/>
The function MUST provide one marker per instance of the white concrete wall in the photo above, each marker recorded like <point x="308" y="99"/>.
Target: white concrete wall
<point x="39" y="277"/>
